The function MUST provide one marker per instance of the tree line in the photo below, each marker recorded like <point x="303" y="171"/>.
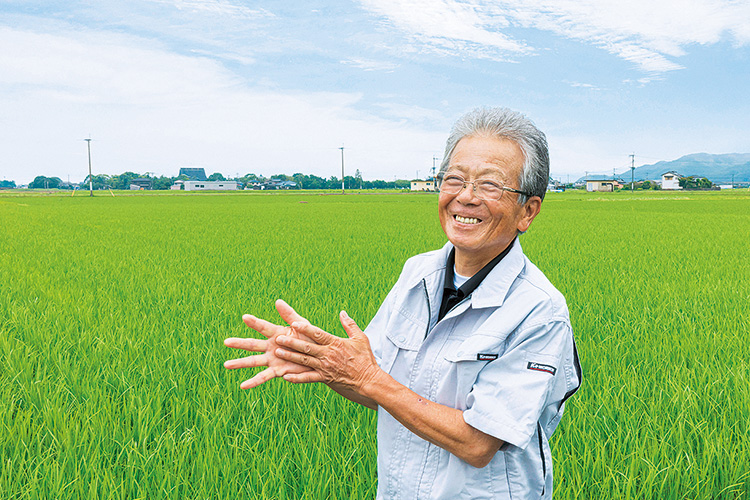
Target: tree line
<point x="303" y="181"/>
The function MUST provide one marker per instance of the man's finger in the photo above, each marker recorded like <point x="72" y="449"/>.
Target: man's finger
<point x="287" y="313"/>
<point x="259" y="379"/>
<point x="253" y="361"/>
<point x="300" y="346"/>
<point x="350" y="326"/>
<point x="300" y="359"/>
<point x="252" y="345"/>
<point x="313" y="332"/>
<point x="265" y="328"/>
<point x="304" y="378"/>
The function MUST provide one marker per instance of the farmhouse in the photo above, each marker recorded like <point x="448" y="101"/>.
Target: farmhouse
<point x="194" y="174"/>
<point x="606" y="185"/>
<point x="140" y="183"/>
<point x="670" y="180"/>
<point x="205" y="185"/>
<point x="272" y="184"/>
<point x="423" y="185"/>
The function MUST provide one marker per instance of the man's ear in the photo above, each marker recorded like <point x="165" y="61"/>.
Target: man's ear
<point x="529" y="210"/>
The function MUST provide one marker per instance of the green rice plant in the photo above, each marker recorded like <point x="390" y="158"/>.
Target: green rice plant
<point x="113" y="310"/>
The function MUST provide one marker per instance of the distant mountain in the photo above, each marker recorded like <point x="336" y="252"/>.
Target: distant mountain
<point x="716" y="168"/>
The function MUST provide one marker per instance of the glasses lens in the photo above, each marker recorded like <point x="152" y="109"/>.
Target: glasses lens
<point x="452" y="184"/>
<point x="488" y="189"/>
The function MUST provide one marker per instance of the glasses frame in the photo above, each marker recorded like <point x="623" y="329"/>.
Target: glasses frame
<point x="473" y="183"/>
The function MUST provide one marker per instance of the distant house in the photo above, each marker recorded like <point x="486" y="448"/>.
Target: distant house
<point x="194" y="174"/>
<point x="605" y="185"/>
<point x="670" y="180"/>
<point x="140" y="183"/>
<point x="205" y="185"/>
<point x="271" y="185"/>
<point x="418" y="185"/>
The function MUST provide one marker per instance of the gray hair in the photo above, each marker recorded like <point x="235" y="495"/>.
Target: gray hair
<point x="504" y="123"/>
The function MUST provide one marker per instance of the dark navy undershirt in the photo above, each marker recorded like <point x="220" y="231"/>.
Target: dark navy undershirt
<point x="451" y="296"/>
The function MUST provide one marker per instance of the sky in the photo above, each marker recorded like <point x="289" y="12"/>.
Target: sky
<point x="264" y="87"/>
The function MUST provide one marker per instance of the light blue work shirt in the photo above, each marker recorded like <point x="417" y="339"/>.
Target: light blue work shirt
<point x="505" y="356"/>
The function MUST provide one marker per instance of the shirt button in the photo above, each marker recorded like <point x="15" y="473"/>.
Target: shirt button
<point x="402" y="338"/>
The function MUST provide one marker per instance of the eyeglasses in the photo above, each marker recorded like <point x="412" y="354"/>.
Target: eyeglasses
<point x="484" y="189"/>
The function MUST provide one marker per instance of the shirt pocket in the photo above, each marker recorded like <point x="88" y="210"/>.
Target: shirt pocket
<point x="466" y="359"/>
<point x="401" y="334"/>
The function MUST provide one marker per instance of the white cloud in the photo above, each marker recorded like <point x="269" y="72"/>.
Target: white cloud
<point x="218" y="7"/>
<point x="369" y="65"/>
<point x="151" y="110"/>
<point x="650" y="34"/>
<point x="449" y="26"/>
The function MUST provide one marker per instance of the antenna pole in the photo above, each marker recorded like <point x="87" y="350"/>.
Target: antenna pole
<point x="434" y="179"/>
<point x="91" y="184"/>
<point x="342" y="170"/>
<point x="632" y="172"/>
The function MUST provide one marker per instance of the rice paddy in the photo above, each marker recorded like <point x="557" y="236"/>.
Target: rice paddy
<point x="113" y="311"/>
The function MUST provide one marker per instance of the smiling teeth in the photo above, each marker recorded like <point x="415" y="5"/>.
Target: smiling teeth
<point x="467" y="220"/>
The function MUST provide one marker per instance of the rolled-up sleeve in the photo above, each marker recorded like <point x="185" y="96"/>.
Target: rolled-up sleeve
<point x="511" y="392"/>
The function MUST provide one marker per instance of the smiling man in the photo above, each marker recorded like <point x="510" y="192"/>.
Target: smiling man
<point x="471" y="357"/>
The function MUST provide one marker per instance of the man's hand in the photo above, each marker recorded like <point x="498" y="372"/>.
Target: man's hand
<point x="337" y="361"/>
<point x="275" y="366"/>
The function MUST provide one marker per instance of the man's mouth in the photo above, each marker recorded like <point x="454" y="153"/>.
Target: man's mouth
<point x="467" y="220"/>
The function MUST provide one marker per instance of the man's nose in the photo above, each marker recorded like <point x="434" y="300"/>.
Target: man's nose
<point x="467" y="194"/>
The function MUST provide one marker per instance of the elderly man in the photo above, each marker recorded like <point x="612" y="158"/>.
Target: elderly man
<point x="471" y="356"/>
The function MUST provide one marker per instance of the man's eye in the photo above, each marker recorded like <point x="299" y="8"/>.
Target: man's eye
<point x="491" y="185"/>
<point x="452" y="179"/>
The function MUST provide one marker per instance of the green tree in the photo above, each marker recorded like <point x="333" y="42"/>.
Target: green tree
<point x="7" y="184"/>
<point x="216" y="176"/>
<point x="162" y="183"/>
<point x="42" y="182"/>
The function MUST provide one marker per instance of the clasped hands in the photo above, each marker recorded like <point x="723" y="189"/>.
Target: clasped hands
<point x="304" y="353"/>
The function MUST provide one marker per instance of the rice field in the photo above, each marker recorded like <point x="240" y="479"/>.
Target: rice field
<point x="113" y="311"/>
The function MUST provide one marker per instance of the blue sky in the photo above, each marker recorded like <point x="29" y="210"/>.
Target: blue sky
<point x="279" y="87"/>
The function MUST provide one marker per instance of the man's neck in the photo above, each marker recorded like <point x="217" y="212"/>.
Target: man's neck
<point x="468" y="264"/>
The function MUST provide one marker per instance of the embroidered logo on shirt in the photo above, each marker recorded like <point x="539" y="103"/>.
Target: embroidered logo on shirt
<point x="485" y="356"/>
<point x="541" y="367"/>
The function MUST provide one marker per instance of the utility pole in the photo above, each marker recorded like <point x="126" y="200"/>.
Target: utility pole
<point x="91" y="184"/>
<point x="632" y="172"/>
<point x="342" y="170"/>
<point x="434" y="178"/>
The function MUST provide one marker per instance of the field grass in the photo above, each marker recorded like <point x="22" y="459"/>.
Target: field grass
<point x="113" y="311"/>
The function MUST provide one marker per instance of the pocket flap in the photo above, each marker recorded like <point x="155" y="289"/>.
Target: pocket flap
<point x="477" y="348"/>
<point x="404" y="334"/>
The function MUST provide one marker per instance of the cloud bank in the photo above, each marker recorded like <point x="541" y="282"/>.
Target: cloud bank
<point x="649" y="34"/>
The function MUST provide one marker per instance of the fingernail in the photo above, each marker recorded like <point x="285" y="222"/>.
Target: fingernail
<point x="345" y="315"/>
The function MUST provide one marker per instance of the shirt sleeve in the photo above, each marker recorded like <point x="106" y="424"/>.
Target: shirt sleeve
<point x="510" y="393"/>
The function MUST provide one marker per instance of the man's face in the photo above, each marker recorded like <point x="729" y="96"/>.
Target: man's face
<point x="481" y="229"/>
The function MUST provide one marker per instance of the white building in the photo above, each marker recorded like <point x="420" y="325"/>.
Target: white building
<point x="205" y="185"/>
<point x="670" y="180"/>
<point x="423" y="185"/>
<point x="606" y="185"/>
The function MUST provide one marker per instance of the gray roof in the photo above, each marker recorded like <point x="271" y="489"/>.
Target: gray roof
<point x="194" y="174"/>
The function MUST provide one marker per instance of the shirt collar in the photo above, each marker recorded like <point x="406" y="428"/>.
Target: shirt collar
<point x="491" y="292"/>
<point x="472" y="283"/>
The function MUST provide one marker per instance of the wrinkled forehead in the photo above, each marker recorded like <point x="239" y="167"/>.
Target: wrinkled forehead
<point x="486" y="156"/>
